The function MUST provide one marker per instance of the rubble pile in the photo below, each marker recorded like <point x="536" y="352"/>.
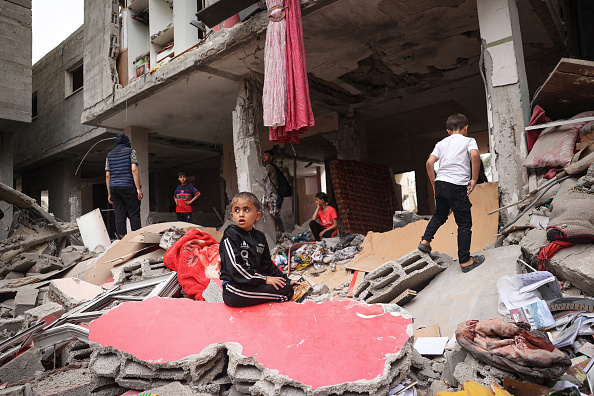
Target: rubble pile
<point x="117" y="321"/>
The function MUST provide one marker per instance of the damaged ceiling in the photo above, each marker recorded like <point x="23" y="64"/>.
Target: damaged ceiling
<point x="383" y="58"/>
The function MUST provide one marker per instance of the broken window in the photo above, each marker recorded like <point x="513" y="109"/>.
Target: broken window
<point x="45" y="200"/>
<point x="74" y="79"/>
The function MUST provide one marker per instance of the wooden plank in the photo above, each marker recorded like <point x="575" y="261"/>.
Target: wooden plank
<point x="379" y="248"/>
<point x="222" y="10"/>
<point x="568" y="90"/>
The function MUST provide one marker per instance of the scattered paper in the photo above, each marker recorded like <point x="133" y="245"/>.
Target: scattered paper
<point x="431" y="345"/>
<point x="587" y="349"/>
<point x="536" y="314"/>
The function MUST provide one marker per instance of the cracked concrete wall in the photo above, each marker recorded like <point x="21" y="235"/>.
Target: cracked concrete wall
<point x="351" y="138"/>
<point x="251" y="175"/>
<point x="508" y="104"/>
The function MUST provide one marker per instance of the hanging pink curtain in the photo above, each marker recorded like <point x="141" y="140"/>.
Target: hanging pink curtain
<point x="274" y="95"/>
<point x="299" y="113"/>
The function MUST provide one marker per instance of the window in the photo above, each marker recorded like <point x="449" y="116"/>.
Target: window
<point x="34" y="106"/>
<point x="45" y="200"/>
<point x="74" y="79"/>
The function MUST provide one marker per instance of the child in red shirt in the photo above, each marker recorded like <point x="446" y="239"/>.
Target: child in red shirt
<point x="327" y="227"/>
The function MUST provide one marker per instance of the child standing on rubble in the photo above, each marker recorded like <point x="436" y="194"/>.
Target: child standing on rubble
<point x="184" y="197"/>
<point x="451" y="187"/>
<point x="249" y="276"/>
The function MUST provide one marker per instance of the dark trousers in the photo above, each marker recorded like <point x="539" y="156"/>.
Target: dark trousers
<point x="126" y="205"/>
<point x="279" y="204"/>
<point x="452" y="196"/>
<point x="186" y="216"/>
<point x="316" y="228"/>
<point x="235" y="295"/>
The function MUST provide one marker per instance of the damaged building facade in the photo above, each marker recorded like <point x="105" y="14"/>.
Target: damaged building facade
<point x="15" y="85"/>
<point x="382" y="82"/>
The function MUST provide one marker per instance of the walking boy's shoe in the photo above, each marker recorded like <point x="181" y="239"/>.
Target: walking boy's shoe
<point x="424" y="248"/>
<point x="476" y="261"/>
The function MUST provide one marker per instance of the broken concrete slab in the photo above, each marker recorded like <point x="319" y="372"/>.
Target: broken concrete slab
<point x="14" y="275"/>
<point x="22" y="367"/>
<point x="473" y="370"/>
<point x="73" y="381"/>
<point x="71" y="292"/>
<point x="11" y="325"/>
<point x="21" y="243"/>
<point x="176" y="389"/>
<point x="46" y="263"/>
<point x="262" y="353"/>
<point x="26" y="298"/>
<point x="453" y="296"/>
<point x="411" y="271"/>
<point x="74" y="254"/>
<point x="573" y="264"/>
<point x="35" y="314"/>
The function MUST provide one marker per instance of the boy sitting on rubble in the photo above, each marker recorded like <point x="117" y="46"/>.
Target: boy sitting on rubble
<point x="452" y="186"/>
<point x="249" y="276"/>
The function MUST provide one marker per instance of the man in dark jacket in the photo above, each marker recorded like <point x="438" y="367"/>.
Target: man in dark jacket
<point x="123" y="184"/>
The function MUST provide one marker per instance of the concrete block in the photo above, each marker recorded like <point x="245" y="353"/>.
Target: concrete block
<point x="74" y="254"/>
<point x="75" y="352"/>
<point x="23" y="262"/>
<point x="71" y="292"/>
<point x="22" y="367"/>
<point x="25" y="299"/>
<point x="11" y="325"/>
<point x="386" y="282"/>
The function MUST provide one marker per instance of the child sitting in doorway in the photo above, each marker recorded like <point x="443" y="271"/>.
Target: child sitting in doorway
<point x="249" y="276"/>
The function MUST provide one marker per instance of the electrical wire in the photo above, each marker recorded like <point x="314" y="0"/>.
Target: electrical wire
<point x="85" y="156"/>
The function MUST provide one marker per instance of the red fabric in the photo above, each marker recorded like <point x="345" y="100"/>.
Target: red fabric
<point x="326" y="219"/>
<point x="546" y="253"/>
<point x="299" y="113"/>
<point x="538" y="117"/>
<point x="550" y="174"/>
<point x="195" y="257"/>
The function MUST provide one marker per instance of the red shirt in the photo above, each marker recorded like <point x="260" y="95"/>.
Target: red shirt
<point x="327" y="219"/>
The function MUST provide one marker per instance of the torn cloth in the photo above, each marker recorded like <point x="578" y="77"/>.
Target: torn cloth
<point x="510" y="347"/>
<point x="195" y="257"/>
<point x="299" y="115"/>
<point x="538" y="117"/>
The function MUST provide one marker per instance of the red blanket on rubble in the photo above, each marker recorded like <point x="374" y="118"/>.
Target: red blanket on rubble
<point x="512" y="347"/>
<point x="195" y="257"/>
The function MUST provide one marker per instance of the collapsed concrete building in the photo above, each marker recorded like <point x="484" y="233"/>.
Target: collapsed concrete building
<point x="383" y="78"/>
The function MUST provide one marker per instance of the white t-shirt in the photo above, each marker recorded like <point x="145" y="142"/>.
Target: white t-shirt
<point x="453" y="154"/>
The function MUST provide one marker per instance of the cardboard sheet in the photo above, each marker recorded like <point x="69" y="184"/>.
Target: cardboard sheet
<point x="379" y="248"/>
<point x="125" y="249"/>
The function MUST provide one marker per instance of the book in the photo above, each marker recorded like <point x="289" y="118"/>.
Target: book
<point x="302" y="289"/>
<point x="536" y="314"/>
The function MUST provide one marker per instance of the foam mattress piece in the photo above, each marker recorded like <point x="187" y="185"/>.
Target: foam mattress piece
<point x="316" y="344"/>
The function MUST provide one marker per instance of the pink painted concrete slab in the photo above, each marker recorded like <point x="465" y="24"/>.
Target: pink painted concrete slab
<point x="316" y="344"/>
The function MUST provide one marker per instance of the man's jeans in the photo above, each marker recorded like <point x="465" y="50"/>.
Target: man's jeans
<point x="125" y="205"/>
<point x="452" y="196"/>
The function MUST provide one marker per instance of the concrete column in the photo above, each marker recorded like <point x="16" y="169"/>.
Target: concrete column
<point x="251" y="175"/>
<point x="6" y="174"/>
<point x="71" y="192"/>
<point x="508" y="104"/>
<point x="139" y="138"/>
<point x="351" y="138"/>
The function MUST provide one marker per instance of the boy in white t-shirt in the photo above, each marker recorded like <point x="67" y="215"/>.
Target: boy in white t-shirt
<point x="452" y="186"/>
